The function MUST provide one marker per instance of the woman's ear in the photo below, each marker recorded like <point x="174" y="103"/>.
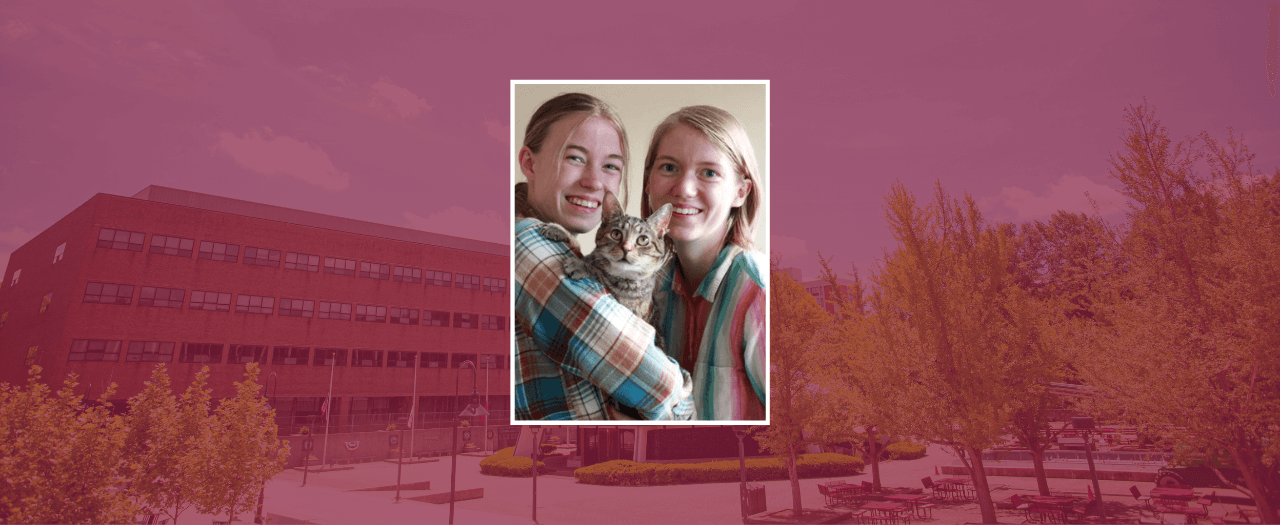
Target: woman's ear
<point x="526" y="162"/>
<point x="744" y="189"/>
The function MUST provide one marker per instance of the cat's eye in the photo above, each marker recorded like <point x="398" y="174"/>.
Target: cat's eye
<point x="615" y="235"/>
<point x="642" y="240"/>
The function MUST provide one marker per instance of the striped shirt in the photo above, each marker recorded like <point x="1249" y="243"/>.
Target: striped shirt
<point x="718" y="331"/>
<point x="577" y="347"/>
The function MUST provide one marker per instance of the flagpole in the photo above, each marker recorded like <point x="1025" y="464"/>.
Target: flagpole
<point x="413" y="411"/>
<point x="328" y="403"/>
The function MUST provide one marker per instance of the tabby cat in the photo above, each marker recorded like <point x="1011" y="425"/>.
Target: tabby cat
<point x="629" y="251"/>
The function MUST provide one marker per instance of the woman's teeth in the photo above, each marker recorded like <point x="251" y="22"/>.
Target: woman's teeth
<point x="583" y="202"/>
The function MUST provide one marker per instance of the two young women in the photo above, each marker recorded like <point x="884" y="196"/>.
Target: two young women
<point x="576" y="346"/>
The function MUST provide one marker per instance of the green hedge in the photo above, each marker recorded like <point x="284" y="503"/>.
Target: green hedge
<point x="503" y="463"/>
<point x="629" y="473"/>
<point x="905" y="450"/>
<point x="548" y="448"/>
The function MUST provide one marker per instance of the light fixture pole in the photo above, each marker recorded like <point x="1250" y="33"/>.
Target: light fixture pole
<point x="741" y="432"/>
<point x="537" y="451"/>
<point x="1085" y="425"/>
<point x="262" y="491"/>
<point x="473" y="409"/>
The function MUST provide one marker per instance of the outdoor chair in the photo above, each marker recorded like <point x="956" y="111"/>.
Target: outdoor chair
<point x="1049" y="513"/>
<point x="1018" y="504"/>
<point x="1137" y="495"/>
<point x="938" y="491"/>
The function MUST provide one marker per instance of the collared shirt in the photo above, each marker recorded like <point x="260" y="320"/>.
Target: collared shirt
<point x="718" y="331"/>
<point x="576" y="346"/>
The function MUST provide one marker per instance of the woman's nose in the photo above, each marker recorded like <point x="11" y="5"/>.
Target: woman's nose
<point x="591" y="179"/>
<point x="685" y="186"/>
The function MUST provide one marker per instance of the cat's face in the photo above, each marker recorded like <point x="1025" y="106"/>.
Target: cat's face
<point x="632" y="244"/>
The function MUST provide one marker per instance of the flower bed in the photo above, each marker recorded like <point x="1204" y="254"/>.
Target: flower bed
<point x="503" y="463"/>
<point x="629" y="473"/>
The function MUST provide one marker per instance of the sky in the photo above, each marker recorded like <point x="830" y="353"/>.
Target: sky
<point x="398" y="112"/>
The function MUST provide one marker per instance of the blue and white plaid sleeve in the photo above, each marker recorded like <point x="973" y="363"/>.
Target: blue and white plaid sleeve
<point x="577" y="346"/>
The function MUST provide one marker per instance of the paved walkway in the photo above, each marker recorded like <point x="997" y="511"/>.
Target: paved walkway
<point x="329" y="498"/>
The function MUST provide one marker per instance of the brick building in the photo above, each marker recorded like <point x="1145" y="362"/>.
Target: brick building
<point x="189" y="280"/>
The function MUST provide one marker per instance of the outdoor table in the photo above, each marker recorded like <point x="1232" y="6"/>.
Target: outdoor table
<point x="960" y="486"/>
<point x="1170" y="493"/>
<point x="885" y="509"/>
<point x="1191" y="513"/>
<point x="911" y="500"/>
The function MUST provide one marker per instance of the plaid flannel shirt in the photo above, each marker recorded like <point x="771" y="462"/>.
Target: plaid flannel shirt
<point x="576" y="346"/>
<point x="718" y="331"/>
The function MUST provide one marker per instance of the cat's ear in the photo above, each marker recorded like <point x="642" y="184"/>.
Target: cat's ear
<point x="611" y="206"/>
<point x="659" y="220"/>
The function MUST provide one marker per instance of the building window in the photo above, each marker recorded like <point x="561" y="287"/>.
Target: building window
<point x="201" y="353"/>
<point x="216" y="251"/>
<point x="172" y="245"/>
<point x="44" y="303"/>
<point x="494" y="284"/>
<point x="330" y="357"/>
<point x="301" y="261"/>
<point x="18" y="273"/>
<point x="339" y="311"/>
<point x="261" y="257"/>
<point x="120" y="240"/>
<point x="435" y="278"/>
<point x="371" y="314"/>
<point x="407" y="275"/>
<point x="433" y="318"/>
<point x="211" y="301"/>
<point x="94" y="350"/>
<point x="435" y="360"/>
<point x="457" y="359"/>
<point x="490" y="361"/>
<point x="493" y="322"/>
<point x="367" y="358"/>
<point x="404" y="316"/>
<point x="106" y="293"/>
<point x="466" y="321"/>
<point x="375" y="271"/>
<point x="31" y="355"/>
<point x="149" y="351"/>
<point x="470" y="282"/>
<point x="161" y="297"/>
<point x="58" y="253"/>
<point x="248" y="354"/>
<point x="290" y="355"/>
<point x="400" y="359"/>
<point x="337" y="266"/>
<point x="296" y="307"/>
<point x="253" y="304"/>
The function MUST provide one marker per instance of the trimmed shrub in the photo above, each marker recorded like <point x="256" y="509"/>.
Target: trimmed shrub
<point x="548" y="448"/>
<point x="905" y="450"/>
<point x="621" y="472"/>
<point x="503" y="463"/>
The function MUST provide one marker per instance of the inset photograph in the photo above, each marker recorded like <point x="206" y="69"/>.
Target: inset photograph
<point x="640" y="274"/>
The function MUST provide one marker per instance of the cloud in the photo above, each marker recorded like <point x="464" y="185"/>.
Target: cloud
<point x="461" y="222"/>
<point x="497" y="130"/>
<point x="1071" y="193"/>
<point x="400" y="99"/>
<point x="264" y="152"/>
<point x="18" y="29"/>
<point x="17" y="236"/>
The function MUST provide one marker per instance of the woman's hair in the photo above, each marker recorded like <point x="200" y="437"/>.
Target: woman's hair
<point x="726" y="133"/>
<point x="567" y="104"/>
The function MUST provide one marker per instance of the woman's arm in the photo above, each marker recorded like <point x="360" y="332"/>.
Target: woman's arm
<point x="588" y="334"/>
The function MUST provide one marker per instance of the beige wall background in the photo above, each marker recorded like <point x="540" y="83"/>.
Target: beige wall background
<point x="642" y="107"/>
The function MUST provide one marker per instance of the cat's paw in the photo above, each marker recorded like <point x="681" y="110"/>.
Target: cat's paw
<point x="557" y="233"/>
<point x="575" y="269"/>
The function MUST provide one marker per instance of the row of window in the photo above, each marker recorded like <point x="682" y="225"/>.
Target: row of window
<point x="122" y="294"/>
<point x="217" y="251"/>
<point x="163" y="352"/>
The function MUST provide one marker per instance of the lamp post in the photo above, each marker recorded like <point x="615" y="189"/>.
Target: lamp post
<point x="1086" y="426"/>
<point x="537" y="451"/>
<point x="741" y="432"/>
<point x="262" y="491"/>
<point x="473" y="409"/>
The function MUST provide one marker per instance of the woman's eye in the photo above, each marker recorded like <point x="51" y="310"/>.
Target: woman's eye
<point x="615" y="235"/>
<point x="613" y="167"/>
<point x="710" y="173"/>
<point x="643" y="240"/>
<point x="667" y="167"/>
<point x="576" y="159"/>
